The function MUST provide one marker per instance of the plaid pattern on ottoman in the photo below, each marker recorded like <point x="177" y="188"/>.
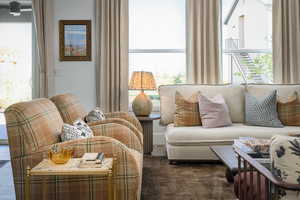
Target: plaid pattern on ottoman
<point x="33" y="127"/>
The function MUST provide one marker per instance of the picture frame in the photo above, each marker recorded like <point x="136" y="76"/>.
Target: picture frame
<point x="75" y="40"/>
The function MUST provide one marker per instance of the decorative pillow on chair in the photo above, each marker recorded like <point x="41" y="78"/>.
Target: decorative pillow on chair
<point x="95" y="115"/>
<point x="214" y="112"/>
<point x="79" y="130"/>
<point x="289" y="110"/>
<point x="187" y="110"/>
<point x="262" y="112"/>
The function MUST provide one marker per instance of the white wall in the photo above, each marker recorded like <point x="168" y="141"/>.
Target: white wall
<point x="75" y="77"/>
<point x="256" y="26"/>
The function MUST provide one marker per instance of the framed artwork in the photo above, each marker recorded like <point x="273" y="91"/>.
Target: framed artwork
<point x="75" y="40"/>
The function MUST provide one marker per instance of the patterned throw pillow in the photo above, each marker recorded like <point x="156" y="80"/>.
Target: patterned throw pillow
<point x="187" y="110"/>
<point x="289" y="111"/>
<point x="214" y="112"/>
<point x="262" y="112"/>
<point x="79" y="130"/>
<point x="95" y="115"/>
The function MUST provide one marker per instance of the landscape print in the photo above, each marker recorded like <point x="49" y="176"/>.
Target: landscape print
<point x="75" y="40"/>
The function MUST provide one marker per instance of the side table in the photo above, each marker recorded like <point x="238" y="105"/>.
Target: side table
<point x="47" y="168"/>
<point x="147" y="124"/>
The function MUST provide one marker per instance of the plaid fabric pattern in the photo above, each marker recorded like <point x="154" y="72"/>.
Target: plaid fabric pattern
<point x="121" y="122"/>
<point x="27" y="120"/>
<point x="33" y="128"/>
<point x="69" y="107"/>
<point x="120" y="133"/>
<point x="289" y="111"/>
<point x="71" y="110"/>
<point x="126" y="116"/>
<point x="187" y="110"/>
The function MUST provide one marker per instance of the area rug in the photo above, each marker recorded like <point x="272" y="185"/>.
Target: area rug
<point x="189" y="181"/>
<point x="162" y="181"/>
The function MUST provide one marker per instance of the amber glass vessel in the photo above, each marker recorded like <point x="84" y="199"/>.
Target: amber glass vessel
<point x="61" y="157"/>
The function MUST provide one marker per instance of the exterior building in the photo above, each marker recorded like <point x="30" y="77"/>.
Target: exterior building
<point x="247" y="34"/>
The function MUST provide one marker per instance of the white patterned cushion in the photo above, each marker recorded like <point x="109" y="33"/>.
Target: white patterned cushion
<point x="262" y="111"/>
<point x="95" y="115"/>
<point x="79" y="130"/>
<point x="285" y="156"/>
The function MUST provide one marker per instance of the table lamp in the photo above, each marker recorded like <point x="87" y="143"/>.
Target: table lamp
<point x="140" y="80"/>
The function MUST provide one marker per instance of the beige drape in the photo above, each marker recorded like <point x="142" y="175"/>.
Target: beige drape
<point x="203" y="35"/>
<point x="43" y="21"/>
<point x="286" y="41"/>
<point x="112" y="54"/>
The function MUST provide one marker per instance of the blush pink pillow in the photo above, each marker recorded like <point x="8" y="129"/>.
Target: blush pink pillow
<point x="214" y="112"/>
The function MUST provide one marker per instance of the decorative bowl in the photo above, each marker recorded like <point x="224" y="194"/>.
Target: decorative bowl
<point x="60" y="157"/>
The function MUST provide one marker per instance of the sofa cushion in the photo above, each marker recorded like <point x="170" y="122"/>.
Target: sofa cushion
<point x="233" y="95"/>
<point x="289" y="111"/>
<point x="214" y="112"/>
<point x="282" y="90"/>
<point x="198" y="135"/>
<point x="262" y="111"/>
<point x="187" y="110"/>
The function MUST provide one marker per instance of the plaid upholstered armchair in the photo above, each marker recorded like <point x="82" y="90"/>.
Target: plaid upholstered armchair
<point x="34" y="126"/>
<point x="71" y="109"/>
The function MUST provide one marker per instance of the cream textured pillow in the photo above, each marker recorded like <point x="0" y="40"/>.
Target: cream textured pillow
<point x="214" y="112"/>
<point x="187" y="110"/>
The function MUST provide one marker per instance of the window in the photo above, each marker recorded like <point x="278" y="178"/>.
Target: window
<point x="157" y="42"/>
<point x="247" y="41"/>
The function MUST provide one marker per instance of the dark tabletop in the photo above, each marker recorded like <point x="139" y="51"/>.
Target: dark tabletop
<point x="150" y="117"/>
<point x="227" y="155"/>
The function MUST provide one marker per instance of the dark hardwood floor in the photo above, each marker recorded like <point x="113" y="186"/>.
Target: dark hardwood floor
<point x="161" y="181"/>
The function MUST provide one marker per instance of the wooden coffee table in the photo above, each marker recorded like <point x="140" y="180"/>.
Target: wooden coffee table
<point x="227" y="155"/>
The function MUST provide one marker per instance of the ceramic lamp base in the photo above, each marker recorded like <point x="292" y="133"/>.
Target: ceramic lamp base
<point x="142" y="105"/>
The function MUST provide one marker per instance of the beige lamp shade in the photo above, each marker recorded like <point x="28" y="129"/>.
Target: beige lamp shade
<point x="142" y="81"/>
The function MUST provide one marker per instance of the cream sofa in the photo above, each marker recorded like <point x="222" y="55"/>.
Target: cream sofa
<point x="192" y="143"/>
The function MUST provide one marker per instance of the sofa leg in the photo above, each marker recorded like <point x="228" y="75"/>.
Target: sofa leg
<point x="172" y="162"/>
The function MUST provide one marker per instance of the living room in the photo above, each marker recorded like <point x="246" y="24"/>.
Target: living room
<point x="149" y="99"/>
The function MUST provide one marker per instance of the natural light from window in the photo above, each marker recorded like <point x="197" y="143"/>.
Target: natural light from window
<point x="157" y="41"/>
<point x="15" y="63"/>
<point x="247" y="41"/>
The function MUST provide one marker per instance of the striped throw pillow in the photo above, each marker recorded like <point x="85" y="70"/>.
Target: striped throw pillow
<point x="187" y="110"/>
<point x="262" y="112"/>
<point x="289" y="110"/>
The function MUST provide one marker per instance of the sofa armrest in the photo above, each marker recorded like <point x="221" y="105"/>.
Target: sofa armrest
<point x="120" y="133"/>
<point x="128" y="117"/>
<point x="121" y="122"/>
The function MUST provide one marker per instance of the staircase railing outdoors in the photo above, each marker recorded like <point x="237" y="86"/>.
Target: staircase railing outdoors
<point x="244" y="63"/>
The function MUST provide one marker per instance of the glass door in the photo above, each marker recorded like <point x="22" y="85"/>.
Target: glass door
<point x="15" y="67"/>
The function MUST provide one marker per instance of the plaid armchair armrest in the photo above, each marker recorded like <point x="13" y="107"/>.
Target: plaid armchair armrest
<point x="128" y="117"/>
<point x="121" y="122"/>
<point x="120" y="133"/>
<point x="128" y="173"/>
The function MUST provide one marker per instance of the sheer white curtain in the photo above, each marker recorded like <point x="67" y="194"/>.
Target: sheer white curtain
<point x="203" y="41"/>
<point x="112" y="54"/>
<point x="43" y="21"/>
<point x="286" y="41"/>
